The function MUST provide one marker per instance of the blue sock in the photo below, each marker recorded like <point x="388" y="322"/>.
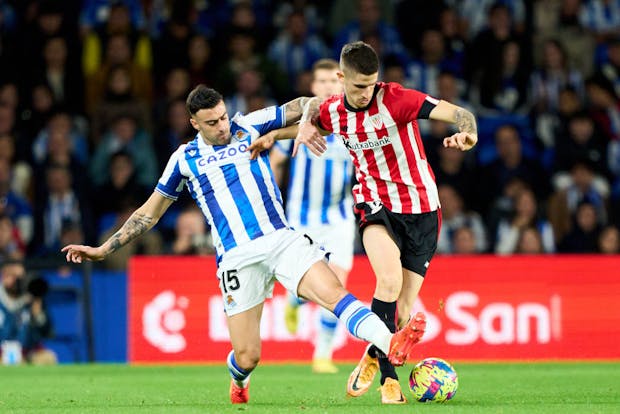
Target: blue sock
<point x="238" y="374"/>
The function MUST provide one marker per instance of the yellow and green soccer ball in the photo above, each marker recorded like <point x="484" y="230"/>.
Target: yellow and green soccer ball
<point x="433" y="379"/>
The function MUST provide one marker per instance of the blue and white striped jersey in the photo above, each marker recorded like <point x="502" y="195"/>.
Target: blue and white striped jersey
<point x="319" y="188"/>
<point x="238" y="196"/>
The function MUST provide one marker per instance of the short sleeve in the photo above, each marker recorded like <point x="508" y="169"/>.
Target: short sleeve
<point x="267" y="119"/>
<point x="171" y="182"/>
<point x="407" y="105"/>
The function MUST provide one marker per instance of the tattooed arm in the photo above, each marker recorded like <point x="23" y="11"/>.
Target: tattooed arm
<point x="310" y="134"/>
<point x="142" y="220"/>
<point x="294" y="109"/>
<point x="467" y="136"/>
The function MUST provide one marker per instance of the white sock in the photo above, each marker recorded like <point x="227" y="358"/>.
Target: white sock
<point x="362" y="323"/>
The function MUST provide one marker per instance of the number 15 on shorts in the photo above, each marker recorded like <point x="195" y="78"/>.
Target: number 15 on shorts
<point x="229" y="280"/>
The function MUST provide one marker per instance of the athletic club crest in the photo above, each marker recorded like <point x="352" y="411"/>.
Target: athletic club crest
<point x="377" y="121"/>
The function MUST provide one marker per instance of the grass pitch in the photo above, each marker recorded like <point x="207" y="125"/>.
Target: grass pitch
<point x="483" y="388"/>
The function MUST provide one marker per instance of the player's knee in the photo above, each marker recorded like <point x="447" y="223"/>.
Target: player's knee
<point x="248" y="358"/>
<point x="388" y="288"/>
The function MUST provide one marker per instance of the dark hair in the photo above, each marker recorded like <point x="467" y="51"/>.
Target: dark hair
<point x="202" y="97"/>
<point x="359" y="57"/>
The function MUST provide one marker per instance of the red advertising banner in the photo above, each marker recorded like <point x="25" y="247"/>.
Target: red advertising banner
<point x="478" y="308"/>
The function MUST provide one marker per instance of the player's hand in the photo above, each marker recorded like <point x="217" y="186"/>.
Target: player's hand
<point x="76" y="253"/>
<point x="461" y="140"/>
<point x="309" y="135"/>
<point x="261" y="144"/>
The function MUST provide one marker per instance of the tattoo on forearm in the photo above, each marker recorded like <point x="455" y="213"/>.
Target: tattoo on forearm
<point x="311" y="111"/>
<point x="294" y="109"/>
<point x="465" y="121"/>
<point x="136" y="225"/>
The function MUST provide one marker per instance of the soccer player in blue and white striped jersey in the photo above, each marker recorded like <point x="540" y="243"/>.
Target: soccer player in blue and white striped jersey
<point x="319" y="203"/>
<point x="254" y="243"/>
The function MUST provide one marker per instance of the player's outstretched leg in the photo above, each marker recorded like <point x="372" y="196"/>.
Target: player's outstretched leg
<point x="240" y="381"/>
<point x="404" y="340"/>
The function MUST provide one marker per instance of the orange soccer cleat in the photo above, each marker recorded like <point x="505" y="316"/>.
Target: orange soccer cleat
<point x="391" y="392"/>
<point x="239" y="395"/>
<point x="403" y="341"/>
<point x="362" y="376"/>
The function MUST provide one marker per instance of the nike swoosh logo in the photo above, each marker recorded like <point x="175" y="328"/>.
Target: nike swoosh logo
<point x="354" y="385"/>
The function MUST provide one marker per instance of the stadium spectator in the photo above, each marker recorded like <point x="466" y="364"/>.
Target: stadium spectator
<point x="584" y="235"/>
<point x="201" y="68"/>
<point x="171" y="47"/>
<point x="609" y="240"/>
<point x="127" y="135"/>
<point x="23" y="317"/>
<point x="580" y="186"/>
<point x="14" y="206"/>
<point x="453" y="217"/>
<point x="390" y="208"/>
<point x="526" y="215"/>
<point x="296" y="48"/>
<point x="174" y="131"/>
<point x="177" y="84"/>
<point x="62" y="76"/>
<point x="560" y="19"/>
<point x="369" y="20"/>
<point x="511" y="163"/>
<point x="96" y="14"/>
<point x="454" y="168"/>
<point x="423" y="71"/>
<point x="502" y="86"/>
<point x="118" y="53"/>
<point x="249" y="84"/>
<point x="192" y="236"/>
<point x="243" y="56"/>
<point x="485" y="50"/>
<point x="59" y="150"/>
<point x="582" y="141"/>
<point x="530" y="241"/>
<point x="121" y="185"/>
<point x="250" y="256"/>
<point x="119" y="100"/>
<point x="604" y="106"/>
<point x="11" y="245"/>
<point x="21" y="171"/>
<point x="610" y="68"/>
<point x="551" y="76"/>
<point x="464" y="241"/>
<point x="61" y="206"/>
<point x="60" y="122"/>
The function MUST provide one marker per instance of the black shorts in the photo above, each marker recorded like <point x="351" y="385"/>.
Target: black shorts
<point x="415" y="234"/>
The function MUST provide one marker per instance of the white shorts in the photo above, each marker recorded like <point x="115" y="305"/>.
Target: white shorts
<point x="247" y="273"/>
<point x="338" y="239"/>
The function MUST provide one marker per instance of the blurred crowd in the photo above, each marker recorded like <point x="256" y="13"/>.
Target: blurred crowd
<point x="92" y="104"/>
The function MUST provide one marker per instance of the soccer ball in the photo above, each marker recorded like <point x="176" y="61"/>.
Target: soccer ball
<point x="433" y="379"/>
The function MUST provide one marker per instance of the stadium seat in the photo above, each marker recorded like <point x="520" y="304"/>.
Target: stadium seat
<point x="65" y="306"/>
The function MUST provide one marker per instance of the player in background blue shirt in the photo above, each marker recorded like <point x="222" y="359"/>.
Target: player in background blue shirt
<point x="254" y="243"/>
<point x="319" y="203"/>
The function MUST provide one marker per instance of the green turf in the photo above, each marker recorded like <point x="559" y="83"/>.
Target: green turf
<point x="484" y="388"/>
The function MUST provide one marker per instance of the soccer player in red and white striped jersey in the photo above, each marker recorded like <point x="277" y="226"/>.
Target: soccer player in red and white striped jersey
<point x="396" y="196"/>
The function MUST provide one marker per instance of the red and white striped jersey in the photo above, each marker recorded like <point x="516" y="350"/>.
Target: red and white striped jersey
<point x="385" y="144"/>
